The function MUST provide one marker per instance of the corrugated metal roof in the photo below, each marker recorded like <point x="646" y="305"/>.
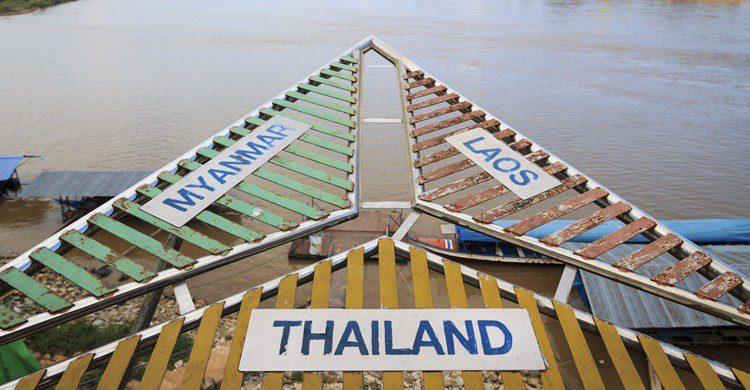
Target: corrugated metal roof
<point x="81" y="183"/>
<point x="8" y="164"/>
<point x="632" y="308"/>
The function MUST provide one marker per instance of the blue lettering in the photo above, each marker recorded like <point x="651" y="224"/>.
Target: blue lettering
<point x="233" y="164"/>
<point x="489" y="154"/>
<point x="525" y="175"/>
<point x="220" y="174"/>
<point x="451" y="332"/>
<point x="487" y="343"/>
<point x="473" y="141"/>
<point x="308" y="335"/>
<point x="202" y="184"/>
<point x="389" y="350"/>
<point x="375" y="332"/>
<point x="279" y="129"/>
<point x="268" y="139"/>
<point x="352" y="327"/>
<point x="426" y="329"/>
<point x="186" y="200"/>
<point x="286" y="325"/>
<point x="513" y="161"/>
<point x="255" y="150"/>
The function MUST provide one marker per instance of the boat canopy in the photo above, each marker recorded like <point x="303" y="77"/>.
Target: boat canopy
<point x="699" y="231"/>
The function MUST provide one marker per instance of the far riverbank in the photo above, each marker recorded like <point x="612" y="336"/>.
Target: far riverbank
<point x="17" y="7"/>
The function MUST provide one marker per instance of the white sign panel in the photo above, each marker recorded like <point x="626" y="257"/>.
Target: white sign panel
<point x="198" y="189"/>
<point x="515" y="172"/>
<point x="390" y="340"/>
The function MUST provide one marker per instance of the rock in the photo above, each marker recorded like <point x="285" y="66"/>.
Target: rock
<point x="97" y="322"/>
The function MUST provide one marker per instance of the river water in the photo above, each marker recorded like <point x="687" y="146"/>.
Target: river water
<point x="651" y="98"/>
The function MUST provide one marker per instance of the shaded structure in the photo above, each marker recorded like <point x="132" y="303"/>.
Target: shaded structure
<point x="9" y="170"/>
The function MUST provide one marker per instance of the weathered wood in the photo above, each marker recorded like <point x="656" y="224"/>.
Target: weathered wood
<point x="107" y="256"/>
<point x="195" y="368"/>
<point x="582" y="357"/>
<point x="33" y="290"/>
<point x="432" y="102"/>
<point x="354" y="300"/>
<point x="660" y="362"/>
<point x="619" y="355"/>
<point x="606" y="243"/>
<point x="388" y="298"/>
<point x="452" y="151"/>
<point x="319" y="300"/>
<point x="9" y="318"/>
<point x="307" y="97"/>
<point x="29" y="382"/>
<point x="339" y="75"/>
<point x="118" y="363"/>
<point x="419" y="83"/>
<point x="413" y="74"/>
<point x="327" y="92"/>
<point x="284" y="300"/>
<point x="349" y="59"/>
<point x="551" y="378"/>
<point x="490" y="125"/>
<point x="423" y="300"/>
<point x="704" y="372"/>
<point x="649" y="252"/>
<point x="682" y="269"/>
<point x="439" y="112"/>
<point x="455" y="186"/>
<point x="70" y="271"/>
<point x="432" y="127"/>
<point x="555" y="212"/>
<point x="157" y="364"/>
<point x="742" y="377"/>
<point x="716" y="288"/>
<point x="520" y="204"/>
<point x="425" y="92"/>
<point x="339" y="65"/>
<point x="332" y="83"/>
<point x="445" y="171"/>
<point x="73" y="374"/>
<point x="586" y="224"/>
<point x="232" y="379"/>
<point x="325" y="115"/>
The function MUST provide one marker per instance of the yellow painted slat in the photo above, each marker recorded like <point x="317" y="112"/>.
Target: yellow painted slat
<point x="74" y="372"/>
<point x="742" y="377"/>
<point x="551" y="378"/>
<point x="704" y="372"/>
<point x="457" y="297"/>
<point x="118" y="364"/>
<point x="232" y="376"/>
<point x="354" y="291"/>
<point x="29" y="382"/>
<point x="284" y="300"/>
<point x="388" y="299"/>
<point x="659" y="360"/>
<point x="157" y="363"/>
<point x="512" y="380"/>
<point x="619" y="355"/>
<point x="320" y="298"/>
<point x="423" y="300"/>
<point x="196" y="365"/>
<point x="580" y="350"/>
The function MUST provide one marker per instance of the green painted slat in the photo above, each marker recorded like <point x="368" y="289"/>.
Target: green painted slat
<point x="315" y="125"/>
<point x="295" y="150"/>
<point x="262" y="193"/>
<point x="77" y="275"/>
<point x="315" y="112"/>
<point x="303" y="188"/>
<point x="326" y="144"/>
<point x="34" y="290"/>
<point x="141" y="240"/>
<point x="320" y="102"/>
<point x="240" y="206"/>
<point x="344" y="66"/>
<point x="313" y="173"/>
<point x="198" y="239"/>
<point x="332" y="83"/>
<point x="343" y="76"/>
<point x="107" y="256"/>
<point x="327" y="92"/>
<point x="9" y="318"/>
<point x="349" y="59"/>
<point x="213" y="219"/>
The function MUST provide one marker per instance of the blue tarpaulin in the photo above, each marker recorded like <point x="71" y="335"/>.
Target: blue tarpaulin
<point x="699" y="231"/>
<point x="8" y="164"/>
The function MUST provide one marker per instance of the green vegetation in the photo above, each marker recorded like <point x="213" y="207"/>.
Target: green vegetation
<point x="75" y="337"/>
<point x="10" y="7"/>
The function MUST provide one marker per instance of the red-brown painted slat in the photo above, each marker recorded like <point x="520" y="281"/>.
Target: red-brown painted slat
<point x="606" y="243"/>
<point x="419" y="83"/>
<point x="586" y="224"/>
<point x="431" y="102"/>
<point x="435" y="141"/>
<point x="649" y="252"/>
<point x="446" y="123"/>
<point x="413" y="74"/>
<point x="682" y="269"/>
<point x="722" y="284"/>
<point x="440" y="112"/>
<point x="555" y="212"/>
<point x="446" y="171"/>
<point x="745" y="308"/>
<point x="450" y="152"/>
<point x="425" y="92"/>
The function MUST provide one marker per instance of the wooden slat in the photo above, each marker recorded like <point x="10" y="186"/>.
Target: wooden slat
<point x="354" y="300"/>
<point x="327" y="92"/>
<point x="450" y="152"/>
<point x="328" y="116"/>
<point x="70" y="271"/>
<point x="307" y="97"/>
<point x="457" y="297"/>
<point x="432" y="127"/>
<point x="141" y="240"/>
<point x="34" y="290"/>
<point x="349" y="59"/>
<point x="420" y="275"/>
<point x="520" y="204"/>
<point x="432" y="102"/>
<point x="309" y="138"/>
<point x="195" y="368"/>
<point x="716" y="288"/>
<point x="157" y="363"/>
<point x="704" y="372"/>
<point x="74" y="372"/>
<point x="118" y="363"/>
<point x="582" y="357"/>
<point x="338" y="75"/>
<point x="284" y="300"/>
<point x="107" y="256"/>
<point x="9" y="318"/>
<point x="413" y="74"/>
<point x="302" y="188"/>
<point x="742" y="377"/>
<point x="232" y="376"/>
<point x="388" y="298"/>
<point x="29" y="382"/>
<point x="445" y="171"/>
<point x="682" y="269"/>
<point x="439" y="112"/>
<point x="339" y="65"/>
<point x="551" y="378"/>
<point x="619" y="355"/>
<point x="425" y="92"/>
<point x="659" y="361"/>
<point x="586" y="224"/>
<point x="606" y="243"/>
<point x="555" y="212"/>
<point x="649" y="252"/>
<point x="319" y="300"/>
<point x="745" y="307"/>
<point x="420" y="83"/>
<point x="512" y="380"/>
<point x="440" y="139"/>
<point x="332" y="83"/>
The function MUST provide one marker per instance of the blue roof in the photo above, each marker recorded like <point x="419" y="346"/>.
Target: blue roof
<point x="8" y="164"/>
